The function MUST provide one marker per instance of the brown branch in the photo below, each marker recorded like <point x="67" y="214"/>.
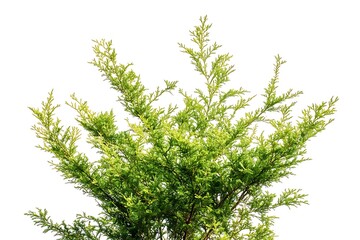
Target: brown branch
<point x="208" y="234"/>
<point x="191" y="214"/>
<point x="241" y="198"/>
<point x="189" y="218"/>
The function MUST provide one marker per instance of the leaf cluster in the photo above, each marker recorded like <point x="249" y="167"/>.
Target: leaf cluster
<point x="200" y="172"/>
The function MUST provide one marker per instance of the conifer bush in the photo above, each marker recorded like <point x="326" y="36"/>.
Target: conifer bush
<point x="203" y="171"/>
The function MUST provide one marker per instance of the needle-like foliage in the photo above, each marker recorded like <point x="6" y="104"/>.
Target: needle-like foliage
<point x="200" y="172"/>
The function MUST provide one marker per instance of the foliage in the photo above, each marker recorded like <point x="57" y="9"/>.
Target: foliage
<point x="200" y="172"/>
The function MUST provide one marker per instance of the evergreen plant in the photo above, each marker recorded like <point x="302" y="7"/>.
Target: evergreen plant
<point x="204" y="171"/>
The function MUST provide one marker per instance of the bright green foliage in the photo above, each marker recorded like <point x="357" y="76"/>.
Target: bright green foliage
<point x="200" y="172"/>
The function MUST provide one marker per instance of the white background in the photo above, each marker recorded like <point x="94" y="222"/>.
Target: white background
<point x="46" y="45"/>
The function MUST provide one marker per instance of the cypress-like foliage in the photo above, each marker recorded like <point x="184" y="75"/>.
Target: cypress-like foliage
<point x="200" y="172"/>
